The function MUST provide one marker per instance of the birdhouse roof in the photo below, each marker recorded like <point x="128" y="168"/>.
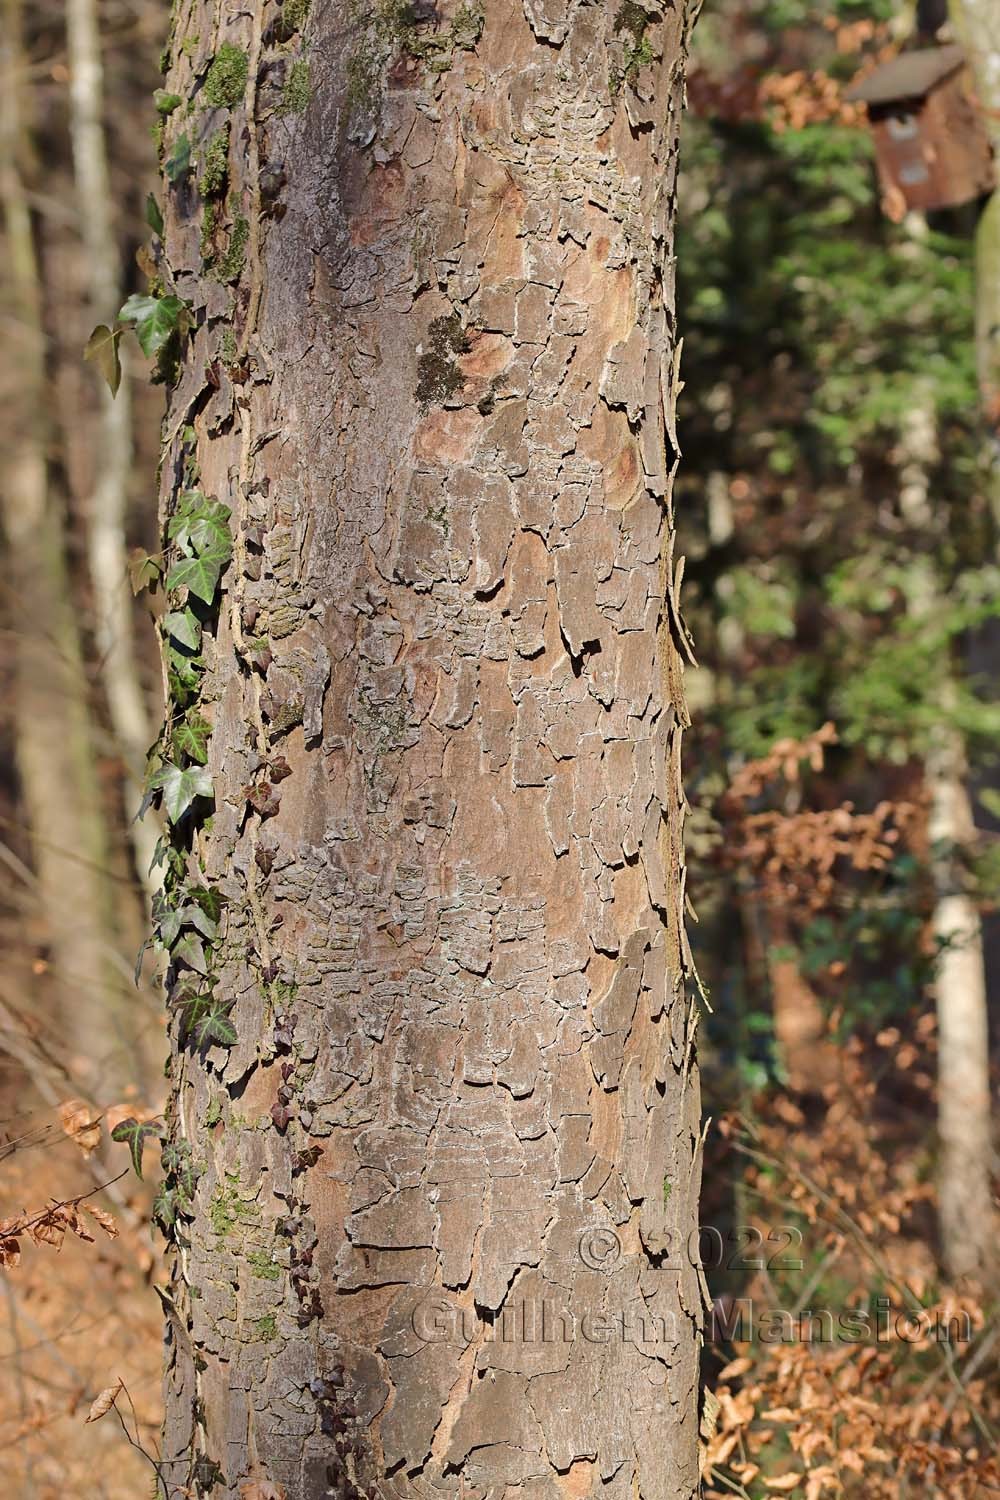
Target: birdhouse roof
<point x="911" y="75"/>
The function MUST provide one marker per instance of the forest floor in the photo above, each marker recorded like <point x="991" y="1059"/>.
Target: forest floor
<point x="75" y="1317"/>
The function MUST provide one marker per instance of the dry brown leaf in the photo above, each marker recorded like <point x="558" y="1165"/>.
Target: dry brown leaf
<point x="47" y="1232"/>
<point x="79" y="1122"/>
<point x="10" y="1251"/>
<point x="734" y="1368"/>
<point x="105" y="1220"/>
<point x="119" y="1112"/>
<point x="261" y="1489"/>
<point x="783" y="1483"/>
<point x="105" y="1401"/>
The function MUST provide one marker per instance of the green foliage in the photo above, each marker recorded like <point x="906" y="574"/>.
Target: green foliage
<point x="156" y="321"/>
<point x="199" y="530"/>
<point x="190" y="737"/>
<point x="226" y="80"/>
<point x="135" y="1134"/>
<point x="175" y="1198"/>
<point x="178" y="160"/>
<point x="180" y="787"/>
<point x="204" y="1020"/>
<point x="154" y="216"/>
<point x="294" y="13"/>
<point x="144" y="570"/>
<point x="182" y="625"/>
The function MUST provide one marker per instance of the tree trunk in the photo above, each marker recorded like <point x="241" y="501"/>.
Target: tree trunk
<point x="978" y="28"/>
<point x="965" y="1204"/>
<point x="448" y="1168"/>
<point x="112" y="459"/>
<point x="53" y="728"/>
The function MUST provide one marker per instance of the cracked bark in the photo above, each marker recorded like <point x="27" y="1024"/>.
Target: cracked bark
<point x="447" y="435"/>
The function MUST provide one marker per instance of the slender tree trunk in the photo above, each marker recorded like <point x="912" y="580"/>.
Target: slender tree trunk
<point x="52" y="722"/>
<point x="965" y="1210"/>
<point x="978" y="25"/>
<point x="112" y="456"/>
<point x="462" y="1097"/>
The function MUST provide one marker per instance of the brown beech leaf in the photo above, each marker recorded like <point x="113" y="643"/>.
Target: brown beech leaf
<point x="10" y="1251"/>
<point x="105" y="1401"/>
<point x="105" y="1220"/>
<point x="79" y="1122"/>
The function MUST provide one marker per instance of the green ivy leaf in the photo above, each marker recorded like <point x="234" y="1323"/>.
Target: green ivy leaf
<point x="171" y="919"/>
<point x="206" y="1020"/>
<point x="191" y="950"/>
<point x="102" y="350"/>
<point x="201" y="574"/>
<point x="175" y="1159"/>
<point x="155" y="320"/>
<point x="154" y="218"/>
<point x="166" y="1208"/>
<point x="144" y="569"/>
<point x="180" y="786"/>
<point x="191" y="736"/>
<point x="135" y="1135"/>
<point x="211" y="901"/>
<point x="137" y="971"/>
<point x="184" y="626"/>
<point x="178" y="162"/>
<point x="199" y="522"/>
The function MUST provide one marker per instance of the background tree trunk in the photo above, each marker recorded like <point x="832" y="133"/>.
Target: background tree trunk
<point x="112" y="459"/>
<point x="964" y="1123"/>
<point x="448" y="1170"/>
<point x="53" y="725"/>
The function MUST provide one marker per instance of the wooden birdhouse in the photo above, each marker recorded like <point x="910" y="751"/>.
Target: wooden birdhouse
<point x="931" y="143"/>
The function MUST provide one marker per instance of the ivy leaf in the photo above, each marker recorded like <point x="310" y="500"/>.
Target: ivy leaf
<point x="166" y="1208"/>
<point x="168" y="928"/>
<point x="137" y="972"/>
<point x="154" y="218"/>
<point x="155" y="320"/>
<point x="201" y="574"/>
<point x="176" y="1161"/>
<point x="144" y="569"/>
<point x="190" y="737"/>
<point x="102" y="350"/>
<point x="206" y="1020"/>
<point x="183" y="626"/>
<point x="134" y="1135"/>
<point x="178" y="162"/>
<point x="215" y="1027"/>
<point x="190" y="950"/>
<point x="210" y="900"/>
<point x="199" y="522"/>
<point x="195" y="917"/>
<point x="180" y="787"/>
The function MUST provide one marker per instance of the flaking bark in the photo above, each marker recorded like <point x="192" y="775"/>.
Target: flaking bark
<point x="440" y="400"/>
